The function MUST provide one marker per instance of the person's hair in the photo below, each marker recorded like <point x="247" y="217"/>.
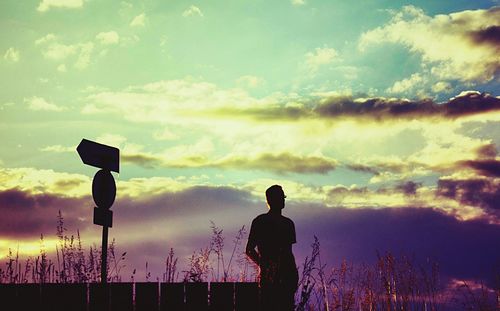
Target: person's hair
<point x="274" y="194"/>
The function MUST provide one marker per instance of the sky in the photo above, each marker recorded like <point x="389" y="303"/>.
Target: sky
<point x="380" y="119"/>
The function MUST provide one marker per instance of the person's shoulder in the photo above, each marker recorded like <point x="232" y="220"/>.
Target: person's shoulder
<point x="260" y="218"/>
<point x="287" y="220"/>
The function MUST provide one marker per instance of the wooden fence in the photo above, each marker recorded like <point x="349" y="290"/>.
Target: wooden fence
<point x="130" y="297"/>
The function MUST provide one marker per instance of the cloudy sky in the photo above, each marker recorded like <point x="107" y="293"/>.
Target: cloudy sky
<point x="380" y="119"/>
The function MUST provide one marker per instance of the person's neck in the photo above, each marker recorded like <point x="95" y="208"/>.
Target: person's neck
<point x="275" y="212"/>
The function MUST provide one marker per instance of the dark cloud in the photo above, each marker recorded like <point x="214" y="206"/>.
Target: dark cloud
<point x="482" y="193"/>
<point x="490" y="168"/>
<point x="489" y="35"/>
<point x="381" y="109"/>
<point x="486" y="151"/>
<point x="342" y="190"/>
<point x="470" y="103"/>
<point x="363" y="168"/>
<point x="376" y="109"/>
<point x="409" y="187"/>
<point x="143" y="160"/>
<point x="68" y="184"/>
<point x="29" y="215"/>
<point x="379" y="167"/>
<point x="281" y="163"/>
<point x="197" y="200"/>
<point x="485" y="164"/>
<point x="339" y="193"/>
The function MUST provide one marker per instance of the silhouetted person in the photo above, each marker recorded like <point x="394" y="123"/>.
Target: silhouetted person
<point x="273" y="235"/>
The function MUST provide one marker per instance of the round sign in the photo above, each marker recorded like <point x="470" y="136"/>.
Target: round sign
<point x="103" y="189"/>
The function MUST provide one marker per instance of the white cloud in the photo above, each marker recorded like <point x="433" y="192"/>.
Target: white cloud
<point x="192" y="11"/>
<point x="111" y="139"/>
<point x="320" y="57"/>
<point x="349" y="72"/>
<point x="46" y="5"/>
<point x="441" y="86"/>
<point x="139" y="20"/>
<point x="166" y="100"/>
<point x="448" y="44"/>
<point x="407" y="84"/>
<point x="57" y="149"/>
<point x="39" y="103"/>
<point x="12" y="54"/>
<point x="298" y="2"/>
<point x="108" y="38"/>
<point x="249" y="81"/>
<point x="62" y="68"/>
<point x="5" y="105"/>
<point x="84" y="57"/>
<point x="45" y="39"/>
<point x="165" y="134"/>
<point x="52" y="49"/>
<point x="44" y="181"/>
<point x="58" y="51"/>
<point x="129" y="40"/>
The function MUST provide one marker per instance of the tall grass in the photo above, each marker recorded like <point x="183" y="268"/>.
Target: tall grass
<point x="72" y="263"/>
<point x="392" y="283"/>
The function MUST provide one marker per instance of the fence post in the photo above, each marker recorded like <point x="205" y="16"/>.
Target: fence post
<point x="62" y="297"/>
<point x="27" y="296"/>
<point x="97" y="297"/>
<point x="8" y="293"/>
<point x="246" y="296"/>
<point x="172" y="297"/>
<point x="221" y="296"/>
<point x="197" y="296"/>
<point x="120" y="295"/>
<point x="146" y="296"/>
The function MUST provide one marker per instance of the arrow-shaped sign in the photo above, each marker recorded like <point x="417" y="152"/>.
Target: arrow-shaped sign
<point x="99" y="155"/>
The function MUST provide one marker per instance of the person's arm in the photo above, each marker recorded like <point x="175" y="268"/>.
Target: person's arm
<point x="251" y="245"/>
<point x="252" y="252"/>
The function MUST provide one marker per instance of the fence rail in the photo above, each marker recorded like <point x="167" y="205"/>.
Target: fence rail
<point x="149" y="296"/>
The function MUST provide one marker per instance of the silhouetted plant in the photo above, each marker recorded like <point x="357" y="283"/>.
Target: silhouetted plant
<point x="171" y="275"/>
<point x="238" y="252"/>
<point x="479" y="298"/>
<point x="198" y="266"/>
<point x="217" y="246"/>
<point x="307" y="281"/>
<point x="117" y="264"/>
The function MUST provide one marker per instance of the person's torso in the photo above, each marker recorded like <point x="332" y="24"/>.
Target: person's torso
<point x="276" y="235"/>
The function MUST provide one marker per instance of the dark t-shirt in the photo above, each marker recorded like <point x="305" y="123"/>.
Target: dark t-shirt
<point x="274" y="235"/>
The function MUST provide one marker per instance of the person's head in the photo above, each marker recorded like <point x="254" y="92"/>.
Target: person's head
<point x="275" y="197"/>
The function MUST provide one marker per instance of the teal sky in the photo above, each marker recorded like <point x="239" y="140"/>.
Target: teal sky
<point x="344" y="103"/>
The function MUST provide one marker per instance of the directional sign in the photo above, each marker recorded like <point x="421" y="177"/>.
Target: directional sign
<point x="99" y="155"/>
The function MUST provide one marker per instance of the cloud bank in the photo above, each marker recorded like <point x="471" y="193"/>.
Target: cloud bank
<point x="458" y="46"/>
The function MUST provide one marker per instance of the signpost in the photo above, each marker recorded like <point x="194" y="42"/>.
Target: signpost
<point x="103" y="189"/>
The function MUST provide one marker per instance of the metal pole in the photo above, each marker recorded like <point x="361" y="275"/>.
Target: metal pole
<point x="104" y="257"/>
<point x="104" y="268"/>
